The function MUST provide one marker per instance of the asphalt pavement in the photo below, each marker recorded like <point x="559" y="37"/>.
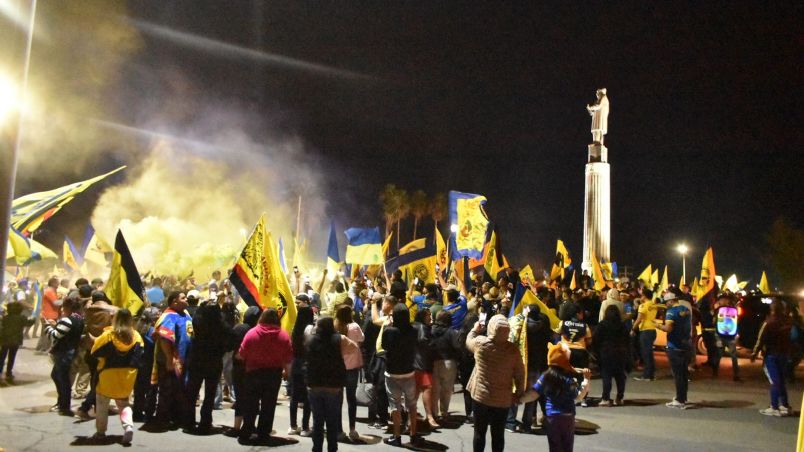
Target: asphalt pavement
<point x="725" y="417"/>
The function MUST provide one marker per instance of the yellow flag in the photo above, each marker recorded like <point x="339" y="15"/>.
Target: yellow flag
<point x="681" y="281"/>
<point x="441" y="251"/>
<point x="694" y="289"/>
<point x="387" y="244"/>
<point x="69" y="257"/>
<point x="665" y="281"/>
<point x="708" y="275"/>
<point x="492" y="265"/>
<point x="530" y="298"/>
<point x="764" y="287"/>
<point x="732" y="284"/>
<point x="597" y="273"/>
<point x="573" y="285"/>
<point x="283" y="301"/>
<point x="526" y="274"/>
<point x="654" y="278"/>
<point x="413" y="246"/>
<point x="645" y="276"/>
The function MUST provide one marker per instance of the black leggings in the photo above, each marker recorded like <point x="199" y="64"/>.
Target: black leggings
<point x="351" y="396"/>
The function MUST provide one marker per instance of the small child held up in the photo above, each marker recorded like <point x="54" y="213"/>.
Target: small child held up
<point x="559" y="387"/>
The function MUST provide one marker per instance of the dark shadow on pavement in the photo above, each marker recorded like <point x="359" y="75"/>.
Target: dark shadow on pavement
<point x="364" y="440"/>
<point x="425" y="445"/>
<point x="583" y="427"/>
<point x="722" y="404"/>
<point x="276" y="441"/>
<point x="644" y="402"/>
<point x="90" y="441"/>
<point x="197" y="431"/>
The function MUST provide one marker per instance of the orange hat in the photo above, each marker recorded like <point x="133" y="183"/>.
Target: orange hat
<point x="559" y="355"/>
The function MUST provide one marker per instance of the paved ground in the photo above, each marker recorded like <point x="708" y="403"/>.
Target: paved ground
<point x="726" y="418"/>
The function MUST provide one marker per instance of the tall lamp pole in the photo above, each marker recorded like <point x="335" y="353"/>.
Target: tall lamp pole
<point x="10" y="140"/>
<point x="683" y="249"/>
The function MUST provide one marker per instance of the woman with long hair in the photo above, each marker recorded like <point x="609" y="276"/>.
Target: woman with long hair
<point x="118" y="351"/>
<point x="611" y="344"/>
<point x="353" y="360"/>
<point x="296" y="385"/>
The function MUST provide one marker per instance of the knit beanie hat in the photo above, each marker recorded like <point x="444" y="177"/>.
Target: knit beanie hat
<point x="558" y="355"/>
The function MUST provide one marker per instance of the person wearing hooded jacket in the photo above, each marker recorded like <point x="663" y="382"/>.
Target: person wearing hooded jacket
<point x="447" y="347"/>
<point x="118" y="351"/>
<point x="399" y="342"/>
<point x="498" y="367"/>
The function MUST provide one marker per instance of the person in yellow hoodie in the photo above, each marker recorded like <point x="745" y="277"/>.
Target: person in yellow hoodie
<point x="118" y="351"/>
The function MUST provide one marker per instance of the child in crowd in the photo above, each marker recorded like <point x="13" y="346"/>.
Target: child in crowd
<point x="14" y="322"/>
<point x="560" y="389"/>
<point x="118" y="351"/>
<point x="144" y="391"/>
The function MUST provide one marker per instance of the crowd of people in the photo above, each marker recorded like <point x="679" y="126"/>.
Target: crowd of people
<point x="380" y="342"/>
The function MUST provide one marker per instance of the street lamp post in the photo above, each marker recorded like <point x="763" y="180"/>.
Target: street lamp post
<point x="682" y="248"/>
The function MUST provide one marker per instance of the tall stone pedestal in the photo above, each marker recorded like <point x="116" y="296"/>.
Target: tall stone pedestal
<point x="597" y="207"/>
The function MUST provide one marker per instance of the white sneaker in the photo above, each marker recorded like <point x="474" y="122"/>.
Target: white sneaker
<point x="676" y="404"/>
<point x="785" y="410"/>
<point x="354" y="436"/>
<point x="128" y="435"/>
<point x="770" y="411"/>
<point x="306" y="433"/>
<point x="604" y="403"/>
<point x="294" y="431"/>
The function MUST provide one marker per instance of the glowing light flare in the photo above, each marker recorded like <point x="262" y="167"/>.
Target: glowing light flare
<point x="682" y="248"/>
<point x="801" y="294"/>
<point x="453" y="228"/>
<point x="9" y="97"/>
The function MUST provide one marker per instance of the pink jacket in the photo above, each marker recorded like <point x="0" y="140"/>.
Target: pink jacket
<point x="266" y="347"/>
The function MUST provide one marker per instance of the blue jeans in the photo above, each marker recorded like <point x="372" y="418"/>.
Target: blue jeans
<point x="61" y="377"/>
<point x="326" y="406"/>
<point x="774" y="370"/>
<point x="646" y="340"/>
<point x="678" y="364"/>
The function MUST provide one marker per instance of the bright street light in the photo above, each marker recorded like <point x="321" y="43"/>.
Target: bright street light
<point x="682" y="248"/>
<point x="9" y="97"/>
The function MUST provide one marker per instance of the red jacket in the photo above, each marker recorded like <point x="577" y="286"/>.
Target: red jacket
<point x="266" y="347"/>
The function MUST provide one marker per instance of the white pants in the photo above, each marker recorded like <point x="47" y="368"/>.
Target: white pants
<point x="102" y="413"/>
<point x="444" y="373"/>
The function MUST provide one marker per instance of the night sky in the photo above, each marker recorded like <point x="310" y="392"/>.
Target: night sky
<point x="705" y="130"/>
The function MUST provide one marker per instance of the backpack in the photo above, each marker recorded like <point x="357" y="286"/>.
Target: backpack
<point x="727" y="321"/>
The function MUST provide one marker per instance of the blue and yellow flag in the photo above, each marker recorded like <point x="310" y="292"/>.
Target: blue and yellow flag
<point x="364" y="246"/>
<point x="333" y="257"/>
<point x="72" y="257"/>
<point x="415" y="264"/>
<point x="467" y="213"/>
<point x="21" y="248"/>
<point x="36" y="295"/>
<point x="29" y="211"/>
<point x="94" y="248"/>
<point x="124" y="287"/>
<point x="413" y="246"/>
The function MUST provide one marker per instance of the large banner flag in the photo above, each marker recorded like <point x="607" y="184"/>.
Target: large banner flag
<point x="561" y="262"/>
<point x="333" y="258"/>
<point x="527" y="276"/>
<point x="466" y="211"/>
<point x="707" y="282"/>
<point x="124" y="287"/>
<point x="72" y="257"/>
<point x="525" y="297"/>
<point x="259" y="278"/>
<point x="415" y="264"/>
<point x="29" y="211"/>
<point x="364" y="246"/>
<point x="764" y="287"/>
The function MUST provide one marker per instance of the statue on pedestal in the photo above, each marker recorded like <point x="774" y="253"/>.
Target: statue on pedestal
<point x="600" y="116"/>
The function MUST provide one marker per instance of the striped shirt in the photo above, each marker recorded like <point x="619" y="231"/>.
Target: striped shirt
<point x="67" y="332"/>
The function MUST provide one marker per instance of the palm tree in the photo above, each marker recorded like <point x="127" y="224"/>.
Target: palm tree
<point x="438" y="208"/>
<point x="403" y="210"/>
<point x="419" y="208"/>
<point x="389" y="199"/>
